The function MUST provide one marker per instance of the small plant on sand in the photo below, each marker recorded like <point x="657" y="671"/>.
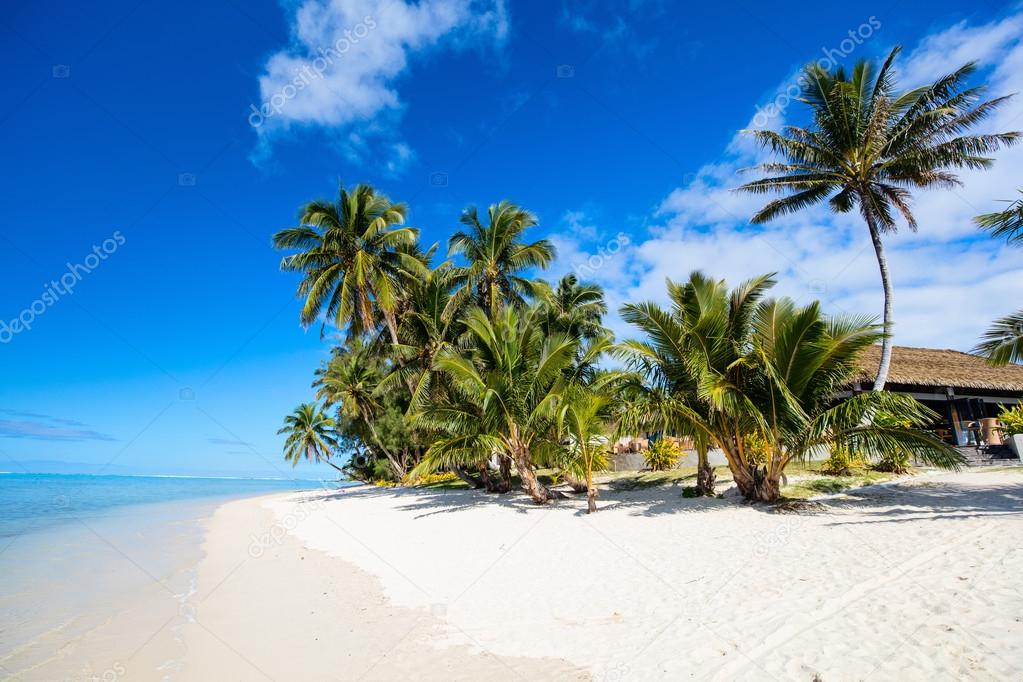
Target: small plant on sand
<point x="662" y="455"/>
<point x="841" y="462"/>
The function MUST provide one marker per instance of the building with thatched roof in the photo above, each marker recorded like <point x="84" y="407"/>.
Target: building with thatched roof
<point x="964" y="389"/>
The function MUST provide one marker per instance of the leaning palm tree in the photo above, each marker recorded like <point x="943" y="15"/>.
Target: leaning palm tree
<point x="869" y="145"/>
<point x="349" y="380"/>
<point x="311" y="434"/>
<point x="350" y="253"/>
<point x="497" y="256"/>
<point x="504" y="396"/>
<point x="766" y="371"/>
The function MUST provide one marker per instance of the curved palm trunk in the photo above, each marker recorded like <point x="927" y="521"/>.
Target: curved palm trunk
<point x="530" y="483"/>
<point x="886" y="343"/>
<point x="396" y="465"/>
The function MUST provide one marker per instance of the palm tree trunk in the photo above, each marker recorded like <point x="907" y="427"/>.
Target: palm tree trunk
<point x="530" y="483"/>
<point x="886" y="284"/>
<point x="396" y="467"/>
<point x="704" y="473"/>
<point x="591" y="493"/>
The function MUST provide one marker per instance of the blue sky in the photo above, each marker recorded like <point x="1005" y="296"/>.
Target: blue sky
<point x="132" y="155"/>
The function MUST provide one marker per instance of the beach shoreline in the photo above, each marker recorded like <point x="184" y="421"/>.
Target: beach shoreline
<point x="376" y="583"/>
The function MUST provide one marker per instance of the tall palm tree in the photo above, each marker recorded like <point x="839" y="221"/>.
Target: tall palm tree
<point x="768" y="370"/>
<point x="311" y="434"/>
<point x="349" y="380"/>
<point x="350" y="253"/>
<point x="574" y="308"/>
<point x="497" y="256"/>
<point x="869" y="145"/>
<point x="1003" y="341"/>
<point x="504" y="396"/>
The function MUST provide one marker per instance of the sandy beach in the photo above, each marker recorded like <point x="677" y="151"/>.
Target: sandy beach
<point x="913" y="580"/>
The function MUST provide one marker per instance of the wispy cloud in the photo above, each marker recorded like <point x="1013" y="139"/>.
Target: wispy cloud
<point x="228" y="441"/>
<point x="341" y="69"/>
<point x="35" y="426"/>
<point x="950" y="280"/>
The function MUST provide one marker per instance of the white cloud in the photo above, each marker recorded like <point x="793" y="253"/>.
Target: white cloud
<point x="345" y="58"/>
<point x="949" y="280"/>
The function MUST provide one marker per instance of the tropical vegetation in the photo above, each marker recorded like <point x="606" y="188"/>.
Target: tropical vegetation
<point x="1002" y="343"/>
<point x="869" y="145"/>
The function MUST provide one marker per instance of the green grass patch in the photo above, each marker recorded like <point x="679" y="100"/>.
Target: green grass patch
<point x="826" y="485"/>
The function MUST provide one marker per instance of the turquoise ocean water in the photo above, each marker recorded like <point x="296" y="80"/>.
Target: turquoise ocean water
<point x="35" y="501"/>
<point x="88" y="562"/>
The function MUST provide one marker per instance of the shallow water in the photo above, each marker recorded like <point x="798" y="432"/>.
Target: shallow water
<point x="96" y="572"/>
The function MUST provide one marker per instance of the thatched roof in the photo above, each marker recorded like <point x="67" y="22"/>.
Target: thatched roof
<point x="941" y="368"/>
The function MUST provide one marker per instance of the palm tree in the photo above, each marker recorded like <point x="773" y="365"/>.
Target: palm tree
<point x="768" y="371"/>
<point x="869" y="145"/>
<point x="662" y="362"/>
<point x="311" y="434"/>
<point x="497" y="256"/>
<point x="1007" y="223"/>
<point x="585" y="418"/>
<point x="573" y="308"/>
<point x="504" y="396"/>
<point x="349" y="380"/>
<point x="350" y="253"/>
<point x="1003" y="342"/>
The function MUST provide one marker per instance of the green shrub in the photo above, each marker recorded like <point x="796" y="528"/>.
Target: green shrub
<point x="841" y="462"/>
<point x="756" y="448"/>
<point x="1012" y="420"/>
<point x="662" y="455"/>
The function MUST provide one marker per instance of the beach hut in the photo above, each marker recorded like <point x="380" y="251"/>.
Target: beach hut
<point x="962" y="388"/>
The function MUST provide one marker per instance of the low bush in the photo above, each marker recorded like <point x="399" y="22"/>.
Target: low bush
<point x="662" y="455"/>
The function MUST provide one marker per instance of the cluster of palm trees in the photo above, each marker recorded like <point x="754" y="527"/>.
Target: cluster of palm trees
<point x="477" y="366"/>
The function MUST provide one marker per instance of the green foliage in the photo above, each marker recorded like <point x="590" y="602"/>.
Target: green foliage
<point x="767" y="367"/>
<point x="311" y="434"/>
<point x="1012" y="420"/>
<point x="756" y="448"/>
<point x="840" y="462"/>
<point x="350" y="255"/>
<point x="662" y="455"/>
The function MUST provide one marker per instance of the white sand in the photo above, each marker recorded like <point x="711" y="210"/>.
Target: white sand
<point x="920" y="580"/>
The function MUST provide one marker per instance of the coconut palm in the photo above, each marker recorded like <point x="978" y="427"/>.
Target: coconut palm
<point x="350" y="253"/>
<point x="349" y="380"/>
<point x="669" y="383"/>
<point x="1003" y="341"/>
<point x="1007" y="223"/>
<point x="497" y="256"/>
<point x="586" y="418"/>
<point x="869" y="145"/>
<point x="504" y="396"/>
<point x="311" y="434"/>
<point x="574" y="308"/>
<point x="766" y="372"/>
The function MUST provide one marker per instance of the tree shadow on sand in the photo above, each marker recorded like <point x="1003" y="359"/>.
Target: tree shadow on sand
<point x="915" y="500"/>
